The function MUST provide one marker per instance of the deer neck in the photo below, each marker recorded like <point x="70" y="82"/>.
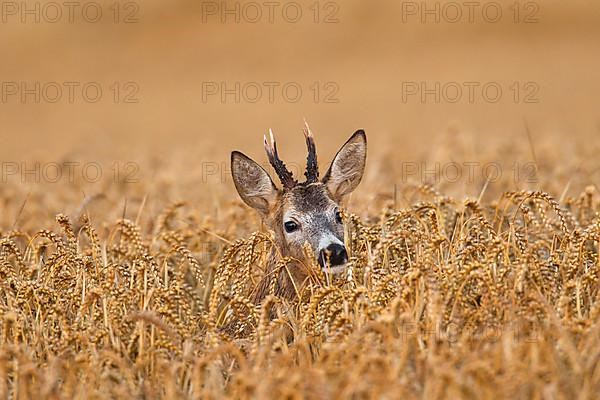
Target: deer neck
<point x="289" y="280"/>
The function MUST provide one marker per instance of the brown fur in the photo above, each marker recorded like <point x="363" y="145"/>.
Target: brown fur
<point x="311" y="204"/>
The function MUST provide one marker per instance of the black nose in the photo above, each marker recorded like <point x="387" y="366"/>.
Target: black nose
<point x="334" y="254"/>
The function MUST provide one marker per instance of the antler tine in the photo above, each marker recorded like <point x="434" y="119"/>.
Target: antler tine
<point x="285" y="176"/>
<point x="312" y="168"/>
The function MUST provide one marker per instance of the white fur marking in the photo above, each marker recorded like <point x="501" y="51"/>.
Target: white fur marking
<point x="325" y="241"/>
<point x="328" y="239"/>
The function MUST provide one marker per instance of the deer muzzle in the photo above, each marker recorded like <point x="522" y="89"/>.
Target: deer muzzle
<point x="332" y="256"/>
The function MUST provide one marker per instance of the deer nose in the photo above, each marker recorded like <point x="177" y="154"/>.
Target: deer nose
<point x="335" y="254"/>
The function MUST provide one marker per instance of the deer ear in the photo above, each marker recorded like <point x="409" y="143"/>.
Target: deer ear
<point x="347" y="167"/>
<point x="253" y="183"/>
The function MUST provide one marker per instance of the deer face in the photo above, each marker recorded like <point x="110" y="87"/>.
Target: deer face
<point x="310" y="215"/>
<point x="306" y="212"/>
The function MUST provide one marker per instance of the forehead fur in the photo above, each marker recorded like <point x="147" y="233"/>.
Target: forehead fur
<point x="308" y="197"/>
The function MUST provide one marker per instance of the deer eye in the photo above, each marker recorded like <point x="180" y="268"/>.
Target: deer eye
<point x="338" y="216"/>
<point x="290" y="226"/>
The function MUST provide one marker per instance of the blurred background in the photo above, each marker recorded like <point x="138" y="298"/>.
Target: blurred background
<point x="156" y="94"/>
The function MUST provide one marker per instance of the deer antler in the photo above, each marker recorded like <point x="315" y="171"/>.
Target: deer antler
<point x="285" y="176"/>
<point x="312" y="168"/>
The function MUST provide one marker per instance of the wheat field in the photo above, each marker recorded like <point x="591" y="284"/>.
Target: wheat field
<point x="127" y="259"/>
<point x="445" y="297"/>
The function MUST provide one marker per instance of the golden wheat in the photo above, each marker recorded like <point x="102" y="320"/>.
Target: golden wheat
<point x="442" y="299"/>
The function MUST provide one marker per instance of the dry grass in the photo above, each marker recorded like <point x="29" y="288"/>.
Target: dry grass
<point x="113" y="290"/>
<point x="442" y="299"/>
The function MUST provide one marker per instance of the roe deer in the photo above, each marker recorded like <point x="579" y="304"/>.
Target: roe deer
<point x="299" y="213"/>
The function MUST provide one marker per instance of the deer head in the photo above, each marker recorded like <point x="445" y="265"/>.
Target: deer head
<point x="305" y="212"/>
